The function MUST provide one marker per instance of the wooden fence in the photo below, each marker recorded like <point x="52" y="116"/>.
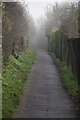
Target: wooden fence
<point x="67" y="50"/>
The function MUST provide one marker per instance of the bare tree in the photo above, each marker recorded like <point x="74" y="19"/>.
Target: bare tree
<point x="15" y="26"/>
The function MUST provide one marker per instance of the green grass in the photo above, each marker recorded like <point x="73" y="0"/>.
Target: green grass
<point x="0" y="98"/>
<point x="69" y="82"/>
<point x="68" y="79"/>
<point x="13" y="77"/>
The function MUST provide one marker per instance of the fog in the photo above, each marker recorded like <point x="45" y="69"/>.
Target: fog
<point x="37" y="10"/>
<point x="38" y="40"/>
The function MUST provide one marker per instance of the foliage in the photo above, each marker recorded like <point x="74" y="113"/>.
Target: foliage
<point x="67" y="77"/>
<point x="6" y="20"/>
<point x="14" y="75"/>
<point x="69" y="81"/>
<point x="56" y="42"/>
<point x="14" y="28"/>
<point x="64" y="16"/>
<point x="0" y="98"/>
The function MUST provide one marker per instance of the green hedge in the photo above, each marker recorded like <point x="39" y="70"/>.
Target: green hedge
<point x="56" y="42"/>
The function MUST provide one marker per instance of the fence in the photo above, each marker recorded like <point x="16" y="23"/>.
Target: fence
<point x="67" y="50"/>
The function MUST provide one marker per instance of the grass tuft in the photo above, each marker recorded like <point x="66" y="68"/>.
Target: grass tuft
<point x="68" y="79"/>
<point x="13" y="77"/>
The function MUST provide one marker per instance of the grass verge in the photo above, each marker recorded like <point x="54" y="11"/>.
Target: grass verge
<point x="0" y="98"/>
<point x="69" y="81"/>
<point x="13" y="77"/>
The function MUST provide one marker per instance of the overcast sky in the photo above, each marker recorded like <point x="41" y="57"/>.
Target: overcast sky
<point x="37" y="7"/>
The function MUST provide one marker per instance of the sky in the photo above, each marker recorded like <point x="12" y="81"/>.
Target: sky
<point x="37" y="7"/>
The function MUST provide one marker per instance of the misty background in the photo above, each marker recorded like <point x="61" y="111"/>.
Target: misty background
<point x="40" y="23"/>
<point x="38" y="10"/>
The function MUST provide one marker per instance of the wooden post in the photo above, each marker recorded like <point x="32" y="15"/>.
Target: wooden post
<point x="79" y="42"/>
<point x="79" y="61"/>
<point x="79" y="18"/>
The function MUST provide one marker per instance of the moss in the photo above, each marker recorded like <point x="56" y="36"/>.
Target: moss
<point x="14" y="75"/>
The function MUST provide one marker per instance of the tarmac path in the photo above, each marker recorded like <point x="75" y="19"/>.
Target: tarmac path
<point x="43" y="95"/>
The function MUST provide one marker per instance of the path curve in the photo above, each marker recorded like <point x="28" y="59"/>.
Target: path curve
<point x="43" y="95"/>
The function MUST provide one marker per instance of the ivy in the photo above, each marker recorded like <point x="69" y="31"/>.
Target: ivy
<point x="6" y="19"/>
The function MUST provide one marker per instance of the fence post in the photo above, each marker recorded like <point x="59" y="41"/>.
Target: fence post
<point x="79" y="17"/>
<point x="79" y="61"/>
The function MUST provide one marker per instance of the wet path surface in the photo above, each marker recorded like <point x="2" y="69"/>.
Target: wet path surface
<point x="44" y="96"/>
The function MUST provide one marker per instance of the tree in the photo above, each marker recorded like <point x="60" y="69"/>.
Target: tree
<point x="15" y="26"/>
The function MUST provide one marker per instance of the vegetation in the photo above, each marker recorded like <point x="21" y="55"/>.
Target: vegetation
<point x="64" y="16"/>
<point x="67" y="77"/>
<point x="14" y="75"/>
<point x="16" y="28"/>
<point x="56" y="42"/>
<point x="62" y="31"/>
<point x="0" y="98"/>
<point x="69" y="81"/>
